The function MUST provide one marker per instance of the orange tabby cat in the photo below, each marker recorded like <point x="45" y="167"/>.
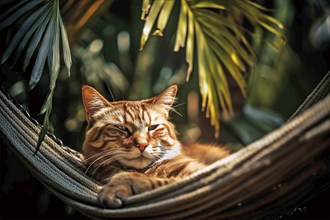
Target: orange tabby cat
<point x="132" y="147"/>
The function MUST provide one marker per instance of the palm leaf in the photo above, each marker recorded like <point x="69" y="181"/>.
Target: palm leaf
<point x="54" y="68"/>
<point x="43" y="35"/>
<point x="65" y="47"/>
<point x="9" y="11"/>
<point x="19" y="12"/>
<point x="45" y="45"/>
<point x="27" y="25"/>
<point x="37" y="37"/>
<point x="154" y="11"/>
<point x="28" y="36"/>
<point x="221" y="45"/>
<point x="42" y="29"/>
<point x="145" y="9"/>
<point x="190" y="45"/>
<point x="164" y="14"/>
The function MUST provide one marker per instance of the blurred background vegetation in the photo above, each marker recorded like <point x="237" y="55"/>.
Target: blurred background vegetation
<point x="105" y="37"/>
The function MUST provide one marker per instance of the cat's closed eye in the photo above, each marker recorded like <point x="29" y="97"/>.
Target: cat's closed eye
<point x="152" y="127"/>
<point x="122" y="128"/>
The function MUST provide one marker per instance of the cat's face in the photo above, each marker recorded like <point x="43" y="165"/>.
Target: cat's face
<point x="133" y="133"/>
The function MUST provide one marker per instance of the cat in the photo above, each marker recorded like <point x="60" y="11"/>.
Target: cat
<point x="131" y="146"/>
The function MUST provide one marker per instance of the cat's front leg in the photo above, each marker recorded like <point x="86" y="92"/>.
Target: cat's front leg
<point x="125" y="184"/>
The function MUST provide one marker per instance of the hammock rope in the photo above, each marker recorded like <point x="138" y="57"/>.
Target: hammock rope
<point x="264" y="179"/>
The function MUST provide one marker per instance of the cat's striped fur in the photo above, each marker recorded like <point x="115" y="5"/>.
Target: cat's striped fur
<point x="132" y="147"/>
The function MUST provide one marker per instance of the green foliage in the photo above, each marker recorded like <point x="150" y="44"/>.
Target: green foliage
<point x="216" y="42"/>
<point x="43" y="29"/>
<point x="215" y="29"/>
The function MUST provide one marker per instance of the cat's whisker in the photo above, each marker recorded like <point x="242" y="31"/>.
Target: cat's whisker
<point x="96" y="168"/>
<point x="105" y="162"/>
<point x="184" y="103"/>
<point x="94" y="156"/>
<point x="113" y="98"/>
<point x="103" y="153"/>
<point x="175" y="111"/>
<point x="97" y="155"/>
<point x="106" y="154"/>
<point x="113" y="155"/>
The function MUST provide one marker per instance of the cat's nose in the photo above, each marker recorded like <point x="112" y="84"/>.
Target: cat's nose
<point x="142" y="146"/>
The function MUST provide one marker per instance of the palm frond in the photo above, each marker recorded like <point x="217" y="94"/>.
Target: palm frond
<point x="214" y="31"/>
<point x="42" y="34"/>
<point x="17" y="11"/>
<point x="53" y="57"/>
<point x="42" y="29"/>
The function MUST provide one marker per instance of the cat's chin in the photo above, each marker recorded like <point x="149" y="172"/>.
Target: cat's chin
<point x="137" y="163"/>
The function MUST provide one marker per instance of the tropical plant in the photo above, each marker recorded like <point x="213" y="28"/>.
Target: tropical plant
<point x="43" y="28"/>
<point x="215" y="28"/>
<point x="41" y="31"/>
<point x="212" y="31"/>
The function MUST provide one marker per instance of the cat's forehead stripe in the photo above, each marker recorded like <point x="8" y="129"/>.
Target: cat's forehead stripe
<point x="138" y="113"/>
<point x="110" y="114"/>
<point x="130" y="111"/>
<point x="145" y="114"/>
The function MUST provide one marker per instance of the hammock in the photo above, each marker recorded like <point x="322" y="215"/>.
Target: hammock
<point x="264" y="179"/>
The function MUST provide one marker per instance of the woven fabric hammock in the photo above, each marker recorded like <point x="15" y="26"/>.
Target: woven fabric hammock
<point x="265" y="179"/>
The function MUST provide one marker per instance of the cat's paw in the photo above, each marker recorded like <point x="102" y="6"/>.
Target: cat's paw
<point x="120" y="187"/>
<point x="114" y="195"/>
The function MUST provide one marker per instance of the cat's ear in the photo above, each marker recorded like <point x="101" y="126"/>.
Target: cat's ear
<point x="165" y="99"/>
<point x="93" y="101"/>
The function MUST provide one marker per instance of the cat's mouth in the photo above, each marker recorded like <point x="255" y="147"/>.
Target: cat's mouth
<point x="138" y="162"/>
<point x="141" y="157"/>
